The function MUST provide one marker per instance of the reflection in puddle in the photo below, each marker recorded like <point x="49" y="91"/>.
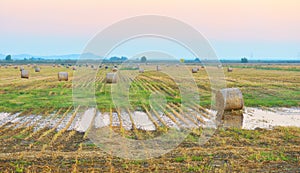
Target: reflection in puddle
<point x="251" y="118"/>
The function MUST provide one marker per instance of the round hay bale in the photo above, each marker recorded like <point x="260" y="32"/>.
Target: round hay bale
<point x="229" y="99"/>
<point x="158" y="68"/>
<point x="92" y="66"/>
<point x="114" y="69"/>
<point x="73" y="68"/>
<point x="37" y="69"/>
<point x="229" y="69"/>
<point x="28" y="65"/>
<point x="141" y="70"/>
<point x="195" y="70"/>
<point x="219" y="66"/>
<point x="15" y="67"/>
<point x="53" y="65"/>
<point x="106" y="67"/>
<point x="111" y="78"/>
<point x="63" y="76"/>
<point x="21" y="68"/>
<point x="25" y="74"/>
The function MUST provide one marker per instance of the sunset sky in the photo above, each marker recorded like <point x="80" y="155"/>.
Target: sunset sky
<point x="235" y="28"/>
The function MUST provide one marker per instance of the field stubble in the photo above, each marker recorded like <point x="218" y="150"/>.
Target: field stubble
<point x="24" y="148"/>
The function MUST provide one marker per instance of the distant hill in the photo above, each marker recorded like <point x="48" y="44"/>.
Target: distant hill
<point x="62" y="57"/>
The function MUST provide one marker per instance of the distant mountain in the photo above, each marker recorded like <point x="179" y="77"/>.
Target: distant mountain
<point x="62" y="57"/>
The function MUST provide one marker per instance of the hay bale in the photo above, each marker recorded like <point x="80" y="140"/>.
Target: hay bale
<point x="219" y="66"/>
<point x="37" y="69"/>
<point x="25" y="74"/>
<point x="63" y="76"/>
<point x="158" y="68"/>
<point x="114" y="69"/>
<point x="106" y="67"/>
<point x="21" y="68"/>
<point x="111" y="78"/>
<point x="73" y="68"/>
<point x="141" y="70"/>
<point x="229" y="69"/>
<point x="229" y="99"/>
<point x="195" y="70"/>
<point x="15" y="67"/>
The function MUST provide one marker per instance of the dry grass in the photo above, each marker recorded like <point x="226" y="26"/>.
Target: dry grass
<point x="231" y="150"/>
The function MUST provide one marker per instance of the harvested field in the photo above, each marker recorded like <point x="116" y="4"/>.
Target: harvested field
<point x="41" y="129"/>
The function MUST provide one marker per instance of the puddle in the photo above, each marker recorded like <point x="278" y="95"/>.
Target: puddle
<point x="268" y="119"/>
<point x="252" y="118"/>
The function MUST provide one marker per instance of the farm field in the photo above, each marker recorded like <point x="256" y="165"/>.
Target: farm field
<point x="39" y="129"/>
<point x="43" y="92"/>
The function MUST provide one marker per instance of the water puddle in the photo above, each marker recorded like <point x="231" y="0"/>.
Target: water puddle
<point x="252" y="118"/>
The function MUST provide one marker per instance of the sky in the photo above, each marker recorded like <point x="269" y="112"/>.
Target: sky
<point x="235" y="28"/>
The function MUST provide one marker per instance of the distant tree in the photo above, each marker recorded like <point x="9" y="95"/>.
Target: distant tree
<point x="8" y="58"/>
<point x="123" y="58"/>
<point x="182" y="60"/>
<point x="244" y="60"/>
<point x="143" y="59"/>
<point x="197" y="60"/>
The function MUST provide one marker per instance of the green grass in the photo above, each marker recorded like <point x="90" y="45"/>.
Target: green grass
<point x="274" y="86"/>
<point x="259" y="67"/>
<point x="264" y="156"/>
<point x="180" y="159"/>
<point x="197" y="158"/>
<point x="14" y="100"/>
